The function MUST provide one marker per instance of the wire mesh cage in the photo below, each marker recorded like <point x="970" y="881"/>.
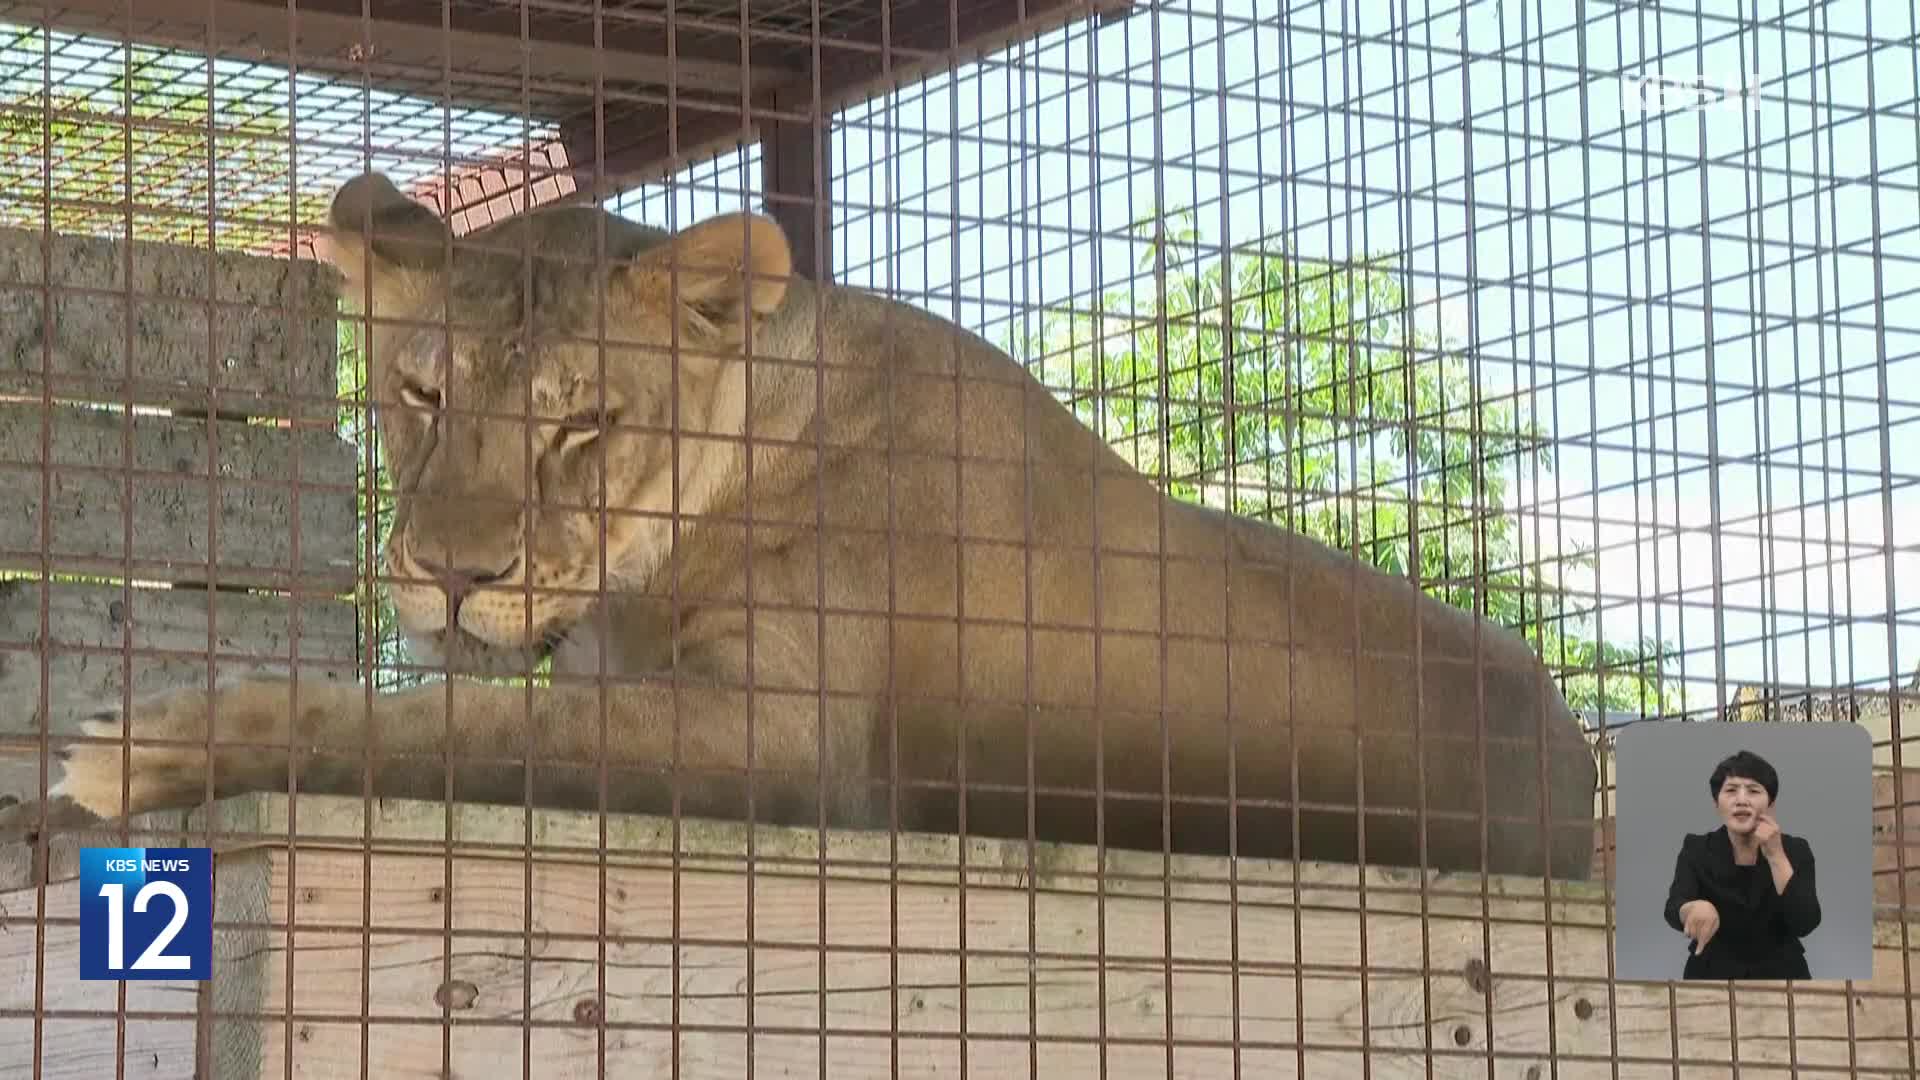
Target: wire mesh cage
<point x="917" y="537"/>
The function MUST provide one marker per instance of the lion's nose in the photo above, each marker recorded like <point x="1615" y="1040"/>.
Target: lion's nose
<point x="459" y="580"/>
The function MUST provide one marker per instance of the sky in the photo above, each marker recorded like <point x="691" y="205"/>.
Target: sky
<point x="1691" y="294"/>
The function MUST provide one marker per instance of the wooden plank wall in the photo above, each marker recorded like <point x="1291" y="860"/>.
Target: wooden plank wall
<point x="166" y="433"/>
<point x="483" y="957"/>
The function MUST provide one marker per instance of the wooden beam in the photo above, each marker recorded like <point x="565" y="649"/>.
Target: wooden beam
<point x="852" y="69"/>
<point x="796" y="166"/>
<point x="333" y="33"/>
<point x="924" y="32"/>
<point x="928" y="25"/>
<point x="548" y="67"/>
<point x="1059" y="946"/>
<point x="643" y="147"/>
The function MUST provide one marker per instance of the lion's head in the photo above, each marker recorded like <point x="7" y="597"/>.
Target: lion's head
<point x="529" y="430"/>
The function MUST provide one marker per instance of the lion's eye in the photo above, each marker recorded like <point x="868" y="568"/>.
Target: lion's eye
<point x="420" y="397"/>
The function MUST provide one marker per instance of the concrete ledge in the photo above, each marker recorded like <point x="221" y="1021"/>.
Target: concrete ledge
<point x="271" y="350"/>
<point x="165" y="493"/>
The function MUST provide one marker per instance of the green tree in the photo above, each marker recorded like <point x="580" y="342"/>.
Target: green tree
<point x="1302" y="396"/>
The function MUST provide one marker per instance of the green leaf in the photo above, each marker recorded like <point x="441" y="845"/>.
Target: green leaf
<point x="1337" y="416"/>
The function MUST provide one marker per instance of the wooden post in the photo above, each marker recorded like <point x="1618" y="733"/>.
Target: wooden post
<point x="795" y="191"/>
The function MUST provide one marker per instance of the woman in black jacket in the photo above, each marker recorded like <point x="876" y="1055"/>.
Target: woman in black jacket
<point x="1744" y="893"/>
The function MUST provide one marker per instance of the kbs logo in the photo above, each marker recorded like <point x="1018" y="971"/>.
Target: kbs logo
<point x="1651" y="95"/>
<point x="146" y="913"/>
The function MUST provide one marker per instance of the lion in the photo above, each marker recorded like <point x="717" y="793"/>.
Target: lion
<point x="802" y="554"/>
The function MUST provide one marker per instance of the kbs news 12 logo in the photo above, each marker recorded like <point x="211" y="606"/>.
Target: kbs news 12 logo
<point x="146" y="913"/>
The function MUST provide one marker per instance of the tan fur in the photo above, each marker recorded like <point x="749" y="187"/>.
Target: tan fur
<point x="945" y="576"/>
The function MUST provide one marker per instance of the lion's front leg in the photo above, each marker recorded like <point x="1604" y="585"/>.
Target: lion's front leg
<point x="156" y="756"/>
<point x="639" y="747"/>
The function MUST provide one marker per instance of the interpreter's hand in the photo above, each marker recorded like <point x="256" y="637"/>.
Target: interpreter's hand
<point x="1699" y="920"/>
<point x="1767" y="831"/>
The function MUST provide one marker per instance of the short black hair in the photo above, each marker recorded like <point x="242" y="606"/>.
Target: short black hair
<point x="1746" y="765"/>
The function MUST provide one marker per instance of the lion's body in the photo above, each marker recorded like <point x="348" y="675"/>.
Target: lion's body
<point x="927" y="569"/>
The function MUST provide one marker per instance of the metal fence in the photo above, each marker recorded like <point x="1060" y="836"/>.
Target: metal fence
<point x="1133" y="566"/>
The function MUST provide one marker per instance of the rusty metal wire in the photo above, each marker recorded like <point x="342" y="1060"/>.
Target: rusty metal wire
<point x="1427" y="283"/>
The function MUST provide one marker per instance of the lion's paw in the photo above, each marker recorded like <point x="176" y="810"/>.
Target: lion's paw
<point x="108" y="777"/>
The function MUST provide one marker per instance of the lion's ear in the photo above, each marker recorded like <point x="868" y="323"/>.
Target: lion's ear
<point x="723" y="272"/>
<point x="380" y="237"/>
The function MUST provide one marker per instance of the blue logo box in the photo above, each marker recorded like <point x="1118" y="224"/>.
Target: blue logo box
<point x="146" y="913"/>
